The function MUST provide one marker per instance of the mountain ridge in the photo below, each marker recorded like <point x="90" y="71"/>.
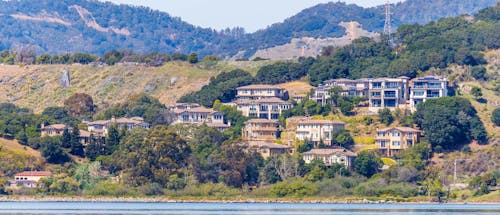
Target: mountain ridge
<point x="96" y="27"/>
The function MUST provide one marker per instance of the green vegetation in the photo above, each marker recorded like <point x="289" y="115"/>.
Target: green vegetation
<point x="449" y="122"/>
<point x="495" y="117"/>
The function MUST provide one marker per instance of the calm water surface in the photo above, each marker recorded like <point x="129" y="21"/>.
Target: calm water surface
<point x="241" y="208"/>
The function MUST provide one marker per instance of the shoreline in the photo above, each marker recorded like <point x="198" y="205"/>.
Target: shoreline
<point x="187" y="200"/>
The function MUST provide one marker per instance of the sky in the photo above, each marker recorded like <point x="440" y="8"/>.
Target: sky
<point x="249" y="14"/>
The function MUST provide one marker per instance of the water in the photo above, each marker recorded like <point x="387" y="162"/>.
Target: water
<point x="242" y="208"/>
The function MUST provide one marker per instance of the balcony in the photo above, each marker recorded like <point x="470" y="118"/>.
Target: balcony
<point x="389" y="95"/>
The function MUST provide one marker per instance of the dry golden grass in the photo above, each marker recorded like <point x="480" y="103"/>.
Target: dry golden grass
<point x="14" y="146"/>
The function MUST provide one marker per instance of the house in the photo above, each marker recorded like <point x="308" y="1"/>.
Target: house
<point x="267" y="149"/>
<point x="84" y="137"/>
<point x="331" y="156"/>
<point x="53" y="130"/>
<point x="101" y="127"/>
<point x="395" y="139"/>
<point x="348" y="88"/>
<point x="425" y="88"/>
<point x="28" y="178"/>
<point x="260" y="130"/>
<point x="387" y="93"/>
<point x="260" y="91"/>
<point x="195" y="114"/>
<point x="264" y="108"/>
<point x="318" y="130"/>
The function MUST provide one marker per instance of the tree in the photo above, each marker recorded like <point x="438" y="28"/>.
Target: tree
<point x="476" y="92"/>
<point x="478" y="72"/>
<point x="66" y="139"/>
<point x="367" y="163"/>
<point x="343" y="139"/>
<point x="192" y="58"/>
<point x="112" y="140"/>
<point x="80" y="105"/>
<point x="449" y="122"/>
<point x="95" y="148"/>
<point x="76" y="147"/>
<point x="495" y="117"/>
<point x="52" y="151"/>
<point x="385" y="116"/>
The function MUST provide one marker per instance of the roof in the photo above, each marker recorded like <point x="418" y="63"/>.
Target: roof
<point x="390" y="79"/>
<point x="195" y="110"/>
<point x="263" y="100"/>
<point x="404" y="129"/>
<point x="218" y="125"/>
<point x="330" y="152"/>
<point x="259" y="86"/>
<point x="261" y="121"/>
<point x="123" y="120"/>
<point x="56" y="126"/>
<point x="264" y="144"/>
<point x="34" y="173"/>
<point x="321" y="121"/>
<point x="84" y="133"/>
<point x="430" y="78"/>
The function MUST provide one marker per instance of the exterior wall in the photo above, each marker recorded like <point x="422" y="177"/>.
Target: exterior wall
<point x="427" y="88"/>
<point x="316" y="132"/>
<point x="28" y="178"/>
<point x="254" y="131"/>
<point x="330" y="159"/>
<point x="50" y="132"/>
<point x="263" y="110"/>
<point x="253" y="94"/>
<point x="394" y="141"/>
<point x="387" y="93"/>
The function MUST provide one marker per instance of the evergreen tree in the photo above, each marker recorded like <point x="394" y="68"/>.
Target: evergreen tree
<point x="112" y="140"/>
<point x="76" y="145"/>
<point x="66" y="139"/>
<point x="94" y="148"/>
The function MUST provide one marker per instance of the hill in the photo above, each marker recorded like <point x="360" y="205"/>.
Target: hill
<point x="97" y="27"/>
<point x="38" y="86"/>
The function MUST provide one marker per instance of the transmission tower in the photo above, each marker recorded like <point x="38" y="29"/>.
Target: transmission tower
<point x="387" y="24"/>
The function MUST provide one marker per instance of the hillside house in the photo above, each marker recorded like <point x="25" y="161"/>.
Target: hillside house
<point x="265" y="108"/>
<point x="348" y="88"/>
<point x="53" y="130"/>
<point x="195" y="114"/>
<point x="330" y="156"/>
<point x="395" y="139"/>
<point x="260" y="91"/>
<point x="387" y="93"/>
<point x="318" y="130"/>
<point x="101" y="127"/>
<point x="267" y="149"/>
<point x="425" y="88"/>
<point x="260" y="130"/>
<point x="28" y="179"/>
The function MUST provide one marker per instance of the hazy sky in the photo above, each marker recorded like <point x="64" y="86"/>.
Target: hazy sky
<point x="250" y="14"/>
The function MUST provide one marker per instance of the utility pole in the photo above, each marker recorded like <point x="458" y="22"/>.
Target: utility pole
<point x="387" y="24"/>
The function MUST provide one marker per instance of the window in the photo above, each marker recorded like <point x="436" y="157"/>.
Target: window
<point x="396" y="143"/>
<point x="418" y="93"/>
<point x="391" y="85"/>
<point x="409" y="142"/>
<point x="380" y="134"/>
<point x="410" y="134"/>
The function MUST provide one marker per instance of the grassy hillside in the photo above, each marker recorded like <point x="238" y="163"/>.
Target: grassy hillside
<point x="38" y="86"/>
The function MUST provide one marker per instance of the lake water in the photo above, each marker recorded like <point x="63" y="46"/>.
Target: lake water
<point x="242" y="208"/>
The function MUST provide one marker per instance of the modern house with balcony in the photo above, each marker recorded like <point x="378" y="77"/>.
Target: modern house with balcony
<point x="260" y="91"/>
<point x="318" y="130"/>
<point x="348" y="88"/>
<point x="425" y="88"/>
<point x="101" y="127"/>
<point x="331" y="156"/>
<point x="265" y="108"/>
<point x="393" y="140"/>
<point x="387" y="93"/>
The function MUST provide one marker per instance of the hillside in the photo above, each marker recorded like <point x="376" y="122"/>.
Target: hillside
<point x="97" y="27"/>
<point x="38" y="86"/>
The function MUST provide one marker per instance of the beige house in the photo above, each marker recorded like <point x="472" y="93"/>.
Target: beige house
<point x="53" y="130"/>
<point x="195" y="114"/>
<point x="425" y="88"/>
<point x="265" y="108"/>
<point x="100" y="127"/>
<point x="260" y="91"/>
<point x="331" y="156"/>
<point x="387" y="93"/>
<point x="260" y="130"/>
<point x="266" y="149"/>
<point x="395" y="139"/>
<point x="318" y="130"/>
<point x="348" y="88"/>
<point x="28" y="178"/>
